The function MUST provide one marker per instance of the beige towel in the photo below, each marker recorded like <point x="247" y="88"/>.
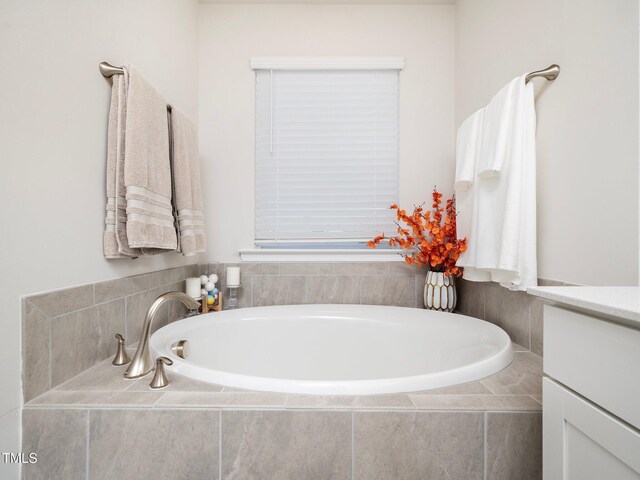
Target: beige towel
<point x="147" y="172"/>
<point x="109" y="237"/>
<point x="187" y="186"/>
<point x="139" y="218"/>
<point x="115" y="234"/>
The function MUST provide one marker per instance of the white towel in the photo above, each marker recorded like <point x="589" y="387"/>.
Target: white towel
<point x="468" y="145"/>
<point x="187" y="186"/>
<point x="502" y="241"/>
<point x="147" y="171"/>
<point x="467" y="149"/>
<point x="467" y="153"/>
<point x="497" y="129"/>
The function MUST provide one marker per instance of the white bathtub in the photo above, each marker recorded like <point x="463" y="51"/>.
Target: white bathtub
<point x="335" y="349"/>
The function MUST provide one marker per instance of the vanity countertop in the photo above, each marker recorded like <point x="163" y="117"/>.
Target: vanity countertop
<point x="620" y="303"/>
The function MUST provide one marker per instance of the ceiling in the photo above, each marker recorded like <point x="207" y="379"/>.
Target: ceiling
<point x="340" y="2"/>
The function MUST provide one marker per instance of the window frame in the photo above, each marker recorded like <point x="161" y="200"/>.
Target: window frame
<point x="311" y="250"/>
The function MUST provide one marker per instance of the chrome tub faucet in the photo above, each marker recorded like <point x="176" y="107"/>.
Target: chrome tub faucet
<point x="142" y="362"/>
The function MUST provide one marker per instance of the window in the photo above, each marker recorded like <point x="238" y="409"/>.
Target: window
<point x="326" y="151"/>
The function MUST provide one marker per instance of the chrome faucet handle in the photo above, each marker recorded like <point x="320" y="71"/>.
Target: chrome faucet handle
<point x="160" y="379"/>
<point x="121" y="357"/>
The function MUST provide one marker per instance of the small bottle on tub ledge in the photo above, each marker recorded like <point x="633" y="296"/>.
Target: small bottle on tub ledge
<point x="233" y="284"/>
<point x="211" y="297"/>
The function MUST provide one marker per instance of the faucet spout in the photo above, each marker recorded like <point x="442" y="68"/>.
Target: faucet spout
<point x="142" y="362"/>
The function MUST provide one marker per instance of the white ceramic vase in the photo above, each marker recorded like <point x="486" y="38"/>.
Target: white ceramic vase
<point x="440" y="292"/>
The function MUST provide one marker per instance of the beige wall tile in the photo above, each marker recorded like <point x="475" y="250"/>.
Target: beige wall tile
<point x="59" y="438"/>
<point x="418" y="446"/>
<point x="306" y="268"/>
<point x="64" y="301"/>
<point x="361" y="268"/>
<point x="35" y="351"/>
<point x="82" y="339"/>
<point x="249" y="269"/>
<point x="334" y="289"/>
<point x="471" y="300"/>
<point x="271" y="290"/>
<point x="474" y="402"/>
<point x="537" y="325"/>
<point x="163" y="445"/>
<point x="165" y="277"/>
<point x="514" y="446"/>
<point x="398" y="290"/>
<point x="510" y="311"/>
<point x="121" y="287"/>
<point x="286" y="445"/>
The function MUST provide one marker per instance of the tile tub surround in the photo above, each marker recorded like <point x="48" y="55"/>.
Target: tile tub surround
<point x="375" y="283"/>
<point x="518" y="313"/>
<point x="64" y="332"/>
<point x="210" y="431"/>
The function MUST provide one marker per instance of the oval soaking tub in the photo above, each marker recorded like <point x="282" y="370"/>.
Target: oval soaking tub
<point x="335" y="349"/>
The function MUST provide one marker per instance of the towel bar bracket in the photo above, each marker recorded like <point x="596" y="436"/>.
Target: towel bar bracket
<point x="550" y="73"/>
<point x="107" y="70"/>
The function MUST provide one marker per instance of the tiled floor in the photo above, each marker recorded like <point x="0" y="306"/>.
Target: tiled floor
<point x="517" y="387"/>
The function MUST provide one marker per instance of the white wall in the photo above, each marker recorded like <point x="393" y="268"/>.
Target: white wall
<point x="54" y="107"/>
<point x="231" y="34"/>
<point x="587" y="134"/>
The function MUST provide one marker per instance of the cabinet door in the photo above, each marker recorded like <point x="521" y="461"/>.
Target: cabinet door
<point x="583" y="442"/>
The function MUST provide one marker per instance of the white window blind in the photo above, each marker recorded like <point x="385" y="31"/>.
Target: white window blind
<point x="326" y="154"/>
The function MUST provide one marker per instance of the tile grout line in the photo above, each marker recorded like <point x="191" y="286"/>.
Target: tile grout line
<point x="50" y="357"/>
<point x="353" y="446"/>
<point x="126" y="320"/>
<point x="484" y="446"/>
<point x="262" y="408"/>
<point x="88" y="434"/>
<point x="529" y="317"/>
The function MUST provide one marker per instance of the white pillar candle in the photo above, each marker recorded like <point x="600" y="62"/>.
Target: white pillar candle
<point x="193" y="287"/>
<point x="233" y="276"/>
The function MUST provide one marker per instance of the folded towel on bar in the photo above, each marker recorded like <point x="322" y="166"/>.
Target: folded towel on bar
<point x="115" y="234"/>
<point x="147" y="168"/>
<point x="139" y="212"/>
<point x="497" y="128"/>
<point x="467" y="150"/>
<point x="502" y="241"/>
<point x="187" y="186"/>
<point x="468" y="143"/>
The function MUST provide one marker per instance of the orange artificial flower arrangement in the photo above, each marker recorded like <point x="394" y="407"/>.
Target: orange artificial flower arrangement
<point x="426" y="239"/>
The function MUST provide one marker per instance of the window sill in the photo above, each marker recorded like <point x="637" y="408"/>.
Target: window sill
<point x="319" y="255"/>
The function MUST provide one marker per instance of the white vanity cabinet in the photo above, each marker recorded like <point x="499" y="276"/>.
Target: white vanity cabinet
<point x="584" y="442"/>
<point x="591" y="391"/>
